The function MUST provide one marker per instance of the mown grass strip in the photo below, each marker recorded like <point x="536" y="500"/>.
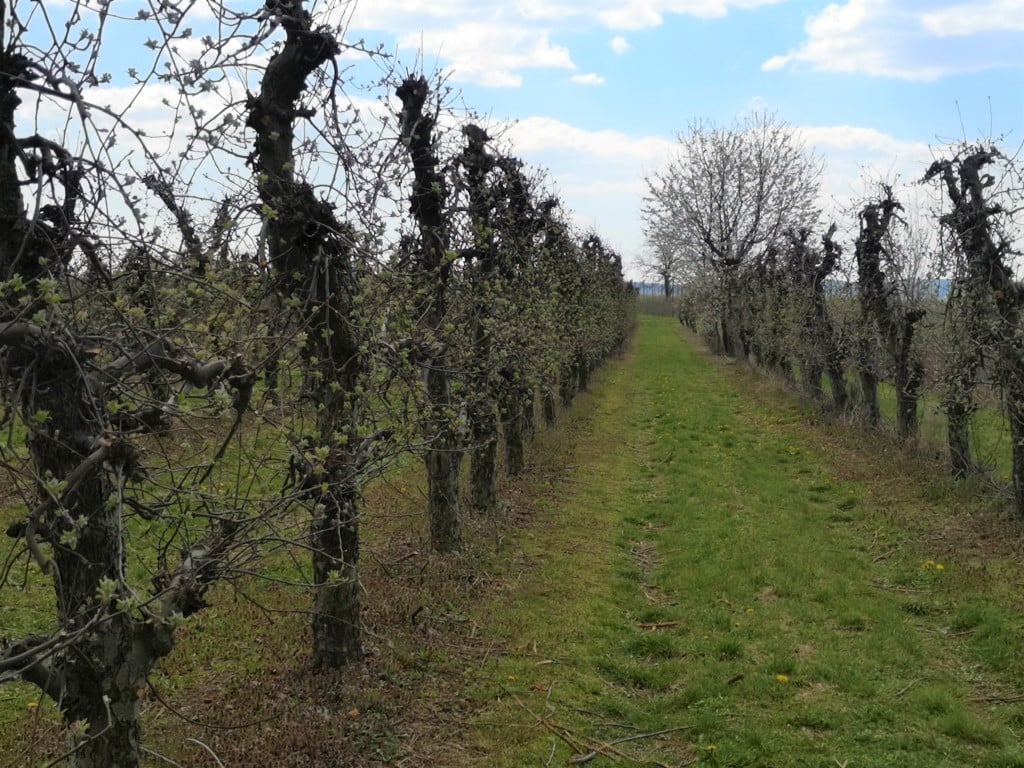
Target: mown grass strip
<point x="716" y="563"/>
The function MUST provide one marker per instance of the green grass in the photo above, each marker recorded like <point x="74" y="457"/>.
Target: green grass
<point x="720" y="574"/>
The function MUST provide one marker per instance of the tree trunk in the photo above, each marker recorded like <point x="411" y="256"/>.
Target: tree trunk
<point x="908" y="375"/>
<point x="97" y="679"/>
<point x="444" y="456"/>
<point x="443" y="499"/>
<point x="1015" y="411"/>
<point x="310" y="252"/>
<point x="958" y="434"/>
<point x="483" y="413"/>
<point x="569" y="385"/>
<point x="515" y="421"/>
<point x="837" y="378"/>
<point x="811" y="376"/>
<point x="337" y="626"/>
<point x="483" y="465"/>
<point x="583" y="375"/>
<point x="444" y="464"/>
<point x="333" y="488"/>
<point x="868" y="380"/>
<point x="869" y="395"/>
<point x="528" y="412"/>
<point x="104" y="678"/>
<point x="548" y="408"/>
<point x="906" y="411"/>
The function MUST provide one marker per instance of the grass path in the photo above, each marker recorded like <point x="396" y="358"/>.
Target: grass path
<point x="720" y="581"/>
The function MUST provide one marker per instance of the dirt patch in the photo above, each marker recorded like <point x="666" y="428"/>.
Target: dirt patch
<point x="768" y="595"/>
<point x="647" y="560"/>
<point x="804" y="652"/>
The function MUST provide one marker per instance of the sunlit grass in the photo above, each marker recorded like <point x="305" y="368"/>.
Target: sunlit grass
<point x="754" y="597"/>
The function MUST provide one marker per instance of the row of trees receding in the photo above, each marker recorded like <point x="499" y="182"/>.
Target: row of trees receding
<point x="213" y="336"/>
<point x="733" y="220"/>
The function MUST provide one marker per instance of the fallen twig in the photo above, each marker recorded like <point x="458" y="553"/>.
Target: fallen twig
<point x="893" y="588"/>
<point x="906" y="688"/>
<point x="562" y="733"/>
<point x="658" y="624"/>
<point x="993" y="699"/>
<point x="580" y="759"/>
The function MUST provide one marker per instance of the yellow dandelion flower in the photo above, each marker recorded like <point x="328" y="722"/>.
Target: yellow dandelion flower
<point x="782" y="678"/>
<point x="32" y="706"/>
<point x="939" y="567"/>
<point x="711" y="747"/>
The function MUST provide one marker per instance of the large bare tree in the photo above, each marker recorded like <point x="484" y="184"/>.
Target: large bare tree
<point x="727" y="194"/>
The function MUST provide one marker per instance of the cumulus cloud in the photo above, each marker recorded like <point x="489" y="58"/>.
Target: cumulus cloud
<point x="536" y="134"/>
<point x="406" y="14"/>
<point x="848" y="138"/>
<point x="643" y="14"/>
<point x="491" y="55"/>
<point x="547" y="11"/>
<point x="424" y="24"/>
<point x="619" y="44"/>
<point x="855" y="156"/>
<point x="973" y="18"/>
<point x="894" y="38"/>
<point x="599" y="174"/>
<point x="591" y="78"/>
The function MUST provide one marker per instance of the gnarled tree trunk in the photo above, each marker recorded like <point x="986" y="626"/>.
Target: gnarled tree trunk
<point x="311" y="254"/>
<point x="444" y="451"/>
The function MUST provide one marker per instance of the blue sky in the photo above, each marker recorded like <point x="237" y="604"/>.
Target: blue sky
<point x="601" y="88"/>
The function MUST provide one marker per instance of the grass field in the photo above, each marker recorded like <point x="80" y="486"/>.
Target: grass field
<point x="696" y="571"/>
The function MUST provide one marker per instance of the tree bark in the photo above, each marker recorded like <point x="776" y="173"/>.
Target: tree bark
<point x="310" y="252"/>
<point x="987" y="275"/>
<point x="549" y="410"/>
<point x="483" y="412"/>
<point x="518" y="409"/>
<point x="444" y="455"/>
<point x="483" y="466"/>
<point x="877" y="315"/>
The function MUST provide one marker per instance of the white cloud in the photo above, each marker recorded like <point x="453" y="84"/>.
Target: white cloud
<point x="547" y="11"/>
<point x="591" y="78"/>
<point x="643" y="14"/>
<point x="619" y="44"/>
<point x="486" y="41"/>
<point x="491" y="55"/>
<point x="894" y="38"/>
<point x="636" y="15"/>
<point x="407" y="14"/>
<point x="972" y="18"/>
<point x="857" y="155"/>
<point x="851" y="138"/>
<point x="599" y="174"/>
<point x="537" y="134"/>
